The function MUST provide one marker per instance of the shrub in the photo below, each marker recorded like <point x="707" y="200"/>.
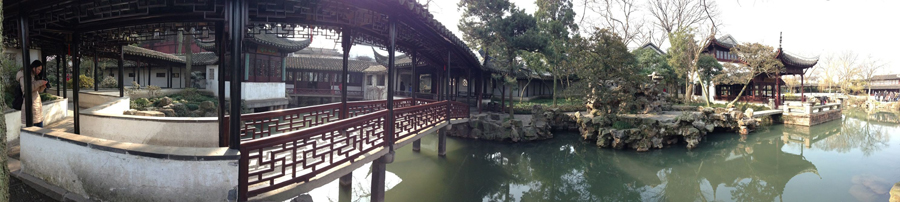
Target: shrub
<point x="152" y="90"/>
<point x="192" y="106"/>
<point x="140" y="103"/>
<point x="47" y="97"/>
<point x="86" y="82"/>
<point x="109" y="82"/>
<point x="619" y="125"/>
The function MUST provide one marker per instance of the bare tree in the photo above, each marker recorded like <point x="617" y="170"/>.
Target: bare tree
<point x="623" y="18"/>
<point x="868" y="69"/>
<point x="674" y="15"/>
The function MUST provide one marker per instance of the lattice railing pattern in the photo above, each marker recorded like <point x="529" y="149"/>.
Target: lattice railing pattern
<point x="273" y="162"/>
<point x="412" y="120"/>
<point x="458" y="110"/>
<point x="264" y="124"/>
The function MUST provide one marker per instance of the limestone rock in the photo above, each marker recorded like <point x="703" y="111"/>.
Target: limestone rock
<point x="130" y="112"/>
<point x="168" y="112"/>
<point x="164" y="101"/>
<point x="150" y="113"/>
<point x="207" y="106"/>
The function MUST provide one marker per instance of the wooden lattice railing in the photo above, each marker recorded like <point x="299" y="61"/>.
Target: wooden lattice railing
<point x="300" y="154"/>
<point x="264" y="124"/>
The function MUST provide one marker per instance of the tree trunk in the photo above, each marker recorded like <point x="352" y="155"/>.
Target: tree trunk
<point x="554" y="89"/>
<point x="4" y="171"/>
<point x="511" y="109"/>
<point x="187" y="59"/>
<point x="688" y="90"/>
<point x="736" y="98"/>
<point x="705" y="91"/>
<point x="524" y="89"/>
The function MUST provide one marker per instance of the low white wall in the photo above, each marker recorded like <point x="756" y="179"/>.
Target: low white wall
<point x="103" y="170"/>
<point x="253" y="90"/>
<point x="92" y="99"/>
<point x="52" y="110"/>
<point x="106" y="121"/>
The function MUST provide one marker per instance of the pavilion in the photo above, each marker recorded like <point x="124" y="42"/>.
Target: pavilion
<point x="763" y="86"/>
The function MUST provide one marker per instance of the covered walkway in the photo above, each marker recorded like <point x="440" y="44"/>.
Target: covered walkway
<point x="77" y="28"/>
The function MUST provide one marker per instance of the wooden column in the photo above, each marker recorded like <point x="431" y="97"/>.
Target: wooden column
<point x="65" y="73"/>
<point x="220" y="71"/>
<point x="802" y="98"/>
<point x="25" y="43"/>
<point x="778" y="91"/>
<point x="346" y="44"/>
<point x="76" y="79"/>
<point x="121" y="64"/>
<point x="59" y="78"/>
<point x="238" y="14"/>
<point x="96" y="68"/>
<point x="417" y="144"/>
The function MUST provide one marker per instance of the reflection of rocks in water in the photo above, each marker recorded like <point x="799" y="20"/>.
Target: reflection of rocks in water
<point x="895" y="193"/>
<point x="868" y="187"/>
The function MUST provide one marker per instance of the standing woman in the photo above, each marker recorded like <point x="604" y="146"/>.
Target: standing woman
<point x="36" y="87"/>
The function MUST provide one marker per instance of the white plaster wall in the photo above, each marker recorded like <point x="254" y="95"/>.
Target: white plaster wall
<point x="107" y="176"/>
<point x="52" y="111"/>
<point x="106" y="121"/>
<point x="34" y="54"/>
<point x="88" y="100"/>
<point x="255" y="90"/>
<point x="163" y="131"/>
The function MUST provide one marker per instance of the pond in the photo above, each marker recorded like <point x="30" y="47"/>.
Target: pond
<point x="843" y="160"/>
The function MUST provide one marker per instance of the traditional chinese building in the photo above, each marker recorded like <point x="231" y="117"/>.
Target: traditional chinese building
<point x="763" y="87"/>
<point x="887" y="83"/>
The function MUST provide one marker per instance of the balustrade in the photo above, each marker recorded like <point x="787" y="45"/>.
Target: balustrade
<point x="297" y="154"/>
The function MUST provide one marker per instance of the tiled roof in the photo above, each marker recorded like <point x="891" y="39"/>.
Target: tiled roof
<point x="886" y="77"/>
<point x="325" y="64"/>
<point x="727" y="41"/>
<point x="400" y="61"/>
<point x="202" y="58"/>
<point x="791" y="60"/>
<point x="284" y="44"/>
<point x="653" y="47"/>
<point x="376" y="69"/>
<point x="143" y="52"/>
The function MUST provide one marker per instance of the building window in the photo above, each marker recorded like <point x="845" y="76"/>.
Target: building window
<point x="130" y="74"/>
<point x="160" y="74"/>
<point x="212" y="74"/>
<point x="111" y="75"/>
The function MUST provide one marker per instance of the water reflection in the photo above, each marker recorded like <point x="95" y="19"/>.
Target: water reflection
<point x="843" y="160"/>
<point x="866" y="136"/>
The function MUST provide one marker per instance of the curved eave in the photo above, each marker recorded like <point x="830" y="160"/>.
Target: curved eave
<point x="285" y="45"/>
<point x="793" y="61"/>
<point x="143" y="52"/>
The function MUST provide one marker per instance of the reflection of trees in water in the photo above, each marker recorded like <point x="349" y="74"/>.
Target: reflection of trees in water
<point x="856" y="134"/>
<point x="754" y="189"/>
<point x="562" y="171"/>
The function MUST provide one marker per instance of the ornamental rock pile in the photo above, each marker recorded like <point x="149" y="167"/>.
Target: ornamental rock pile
<point x="494" y="126"/>
<point x="642" y="134"/>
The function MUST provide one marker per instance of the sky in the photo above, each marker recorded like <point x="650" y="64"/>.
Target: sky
<point x="810" y="28"/>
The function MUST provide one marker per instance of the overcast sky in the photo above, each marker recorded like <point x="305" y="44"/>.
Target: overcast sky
<point x="810" y="28"/>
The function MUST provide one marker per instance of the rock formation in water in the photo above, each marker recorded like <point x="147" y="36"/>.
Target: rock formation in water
<point x="642" y="134"/>
<point x="494" y="126"/>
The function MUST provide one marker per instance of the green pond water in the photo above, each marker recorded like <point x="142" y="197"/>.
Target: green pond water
<point x="844" y="160"/>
